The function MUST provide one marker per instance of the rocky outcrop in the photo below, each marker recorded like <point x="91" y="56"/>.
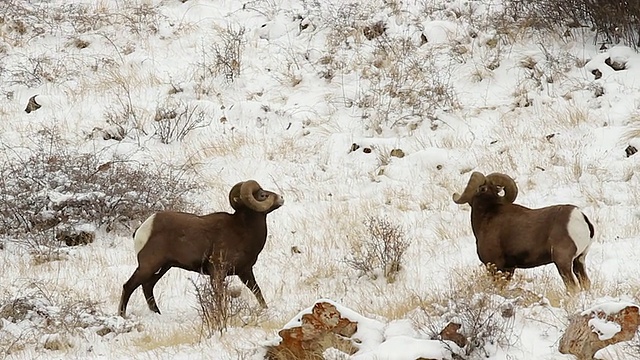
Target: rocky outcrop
<point x="324" y="327"/>
<point x="596" y="328"/>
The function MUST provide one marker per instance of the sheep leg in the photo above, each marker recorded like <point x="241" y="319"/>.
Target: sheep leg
<point x="128" y="288"/>
<point x="147" y="288"/>
<point x="249" y="280"/>
<point x="568" y="277"/>
<point x="580" y="270"/>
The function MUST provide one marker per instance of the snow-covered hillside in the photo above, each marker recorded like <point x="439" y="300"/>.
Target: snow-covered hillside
<point x="310" y="98"/>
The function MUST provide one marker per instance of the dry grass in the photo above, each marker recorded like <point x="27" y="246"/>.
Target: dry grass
<point x="225" y="146"/>
<point x="186" y="334"/>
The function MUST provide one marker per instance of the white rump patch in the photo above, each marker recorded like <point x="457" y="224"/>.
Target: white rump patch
<point x="142" y="234"/>
<point x="579" y="231"/>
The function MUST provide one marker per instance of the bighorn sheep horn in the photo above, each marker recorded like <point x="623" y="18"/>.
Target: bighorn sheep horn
<point x="507" y="183"/>
<point x="234" y="196"/>
<point x="241" y="194"/>
<point x="477" y="179"/>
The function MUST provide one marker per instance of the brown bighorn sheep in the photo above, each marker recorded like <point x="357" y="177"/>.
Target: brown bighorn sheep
<point x="207" y="243"/>
<point x="511" y="236"/>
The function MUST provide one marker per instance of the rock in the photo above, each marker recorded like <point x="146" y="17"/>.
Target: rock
<point x="615" y="65"/>
<point x="597" y="73"/>
<point x="397" y="153"/>
<point x="322" y="329"/>
<point x="450" y="332"/>
<point x="630" y="150"/>
<point x="599" y="327"/>
<point x="32" y="105"/>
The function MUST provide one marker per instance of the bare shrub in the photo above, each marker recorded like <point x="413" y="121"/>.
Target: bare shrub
<point x="381" y="250"/>
<point x="405" y="87"/>
<point x="218" y="305"/>
<point x="484" y="304"/>
<point x="614" y="21"/>
<point x="48" y="312"/>
<point x="174" y="121"/>
<point x="227" y="52"/>
<point x="53" y="184"/>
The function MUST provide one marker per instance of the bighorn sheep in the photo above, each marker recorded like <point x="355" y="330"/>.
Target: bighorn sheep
<point x="208" y="243"/>
<point x="511" y="236"/>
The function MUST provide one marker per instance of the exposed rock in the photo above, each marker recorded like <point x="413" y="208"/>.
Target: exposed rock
<point x="630" y="150"/>
<point x="323" y="328"/>
<point x="615" y="65"/>
<point x="354" y="147"/>
<point x="594" y="329"/>
<point x="597" y="73"/>
<point x="423" y="39"/>
<point x="397" y="153"/>
<point x="32" y="105"/>
<point x="450" y="332"/>
<point x="366" y="150"/>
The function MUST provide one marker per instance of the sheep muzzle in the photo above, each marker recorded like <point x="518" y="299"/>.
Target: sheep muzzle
<point x="476" y="180"/>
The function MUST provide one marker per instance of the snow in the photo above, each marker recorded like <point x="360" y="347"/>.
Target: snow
<point x="605" y="329"/>
<point x="308" y="86"/>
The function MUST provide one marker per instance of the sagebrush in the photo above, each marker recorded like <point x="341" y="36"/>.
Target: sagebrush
<point x="52" y="184"/>
<point x="613" y="21"/>
<point x="381" y="251"/>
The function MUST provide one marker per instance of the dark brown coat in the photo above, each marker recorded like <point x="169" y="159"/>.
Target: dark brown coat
<point x="219" y="241"/>
<point x="511" y="236"/>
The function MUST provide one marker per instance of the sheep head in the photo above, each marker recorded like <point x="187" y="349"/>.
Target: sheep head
<point x="249" y="194"/>
<point x="488" y="187"/>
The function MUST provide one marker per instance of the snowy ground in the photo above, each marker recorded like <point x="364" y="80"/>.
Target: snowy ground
<point x="298" y="85"/>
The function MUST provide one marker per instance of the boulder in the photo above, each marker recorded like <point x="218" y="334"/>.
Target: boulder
<point x="323" y="328"/>
<point x="599" y="327"/>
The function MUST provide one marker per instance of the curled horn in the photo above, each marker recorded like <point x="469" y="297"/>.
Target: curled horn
<point x="246" y="196"/>
<point x="507" y="183"/>
<point x="234" y="196"/>
<point x="476" y="180"/>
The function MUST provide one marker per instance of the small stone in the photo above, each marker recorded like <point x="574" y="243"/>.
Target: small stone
<point x="630" y="150"/>
<point x="397" y="153"/>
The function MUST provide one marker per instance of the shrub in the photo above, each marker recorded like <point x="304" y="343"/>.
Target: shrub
<point x="217" y="304"/>
<point x="613" y="20"/>
<point x="51" y="317"/>
<point x="382" y="249"/>
<point x="485" y="306"/>
<point x="174" y="121"/>
<point x="54" y="185"/>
